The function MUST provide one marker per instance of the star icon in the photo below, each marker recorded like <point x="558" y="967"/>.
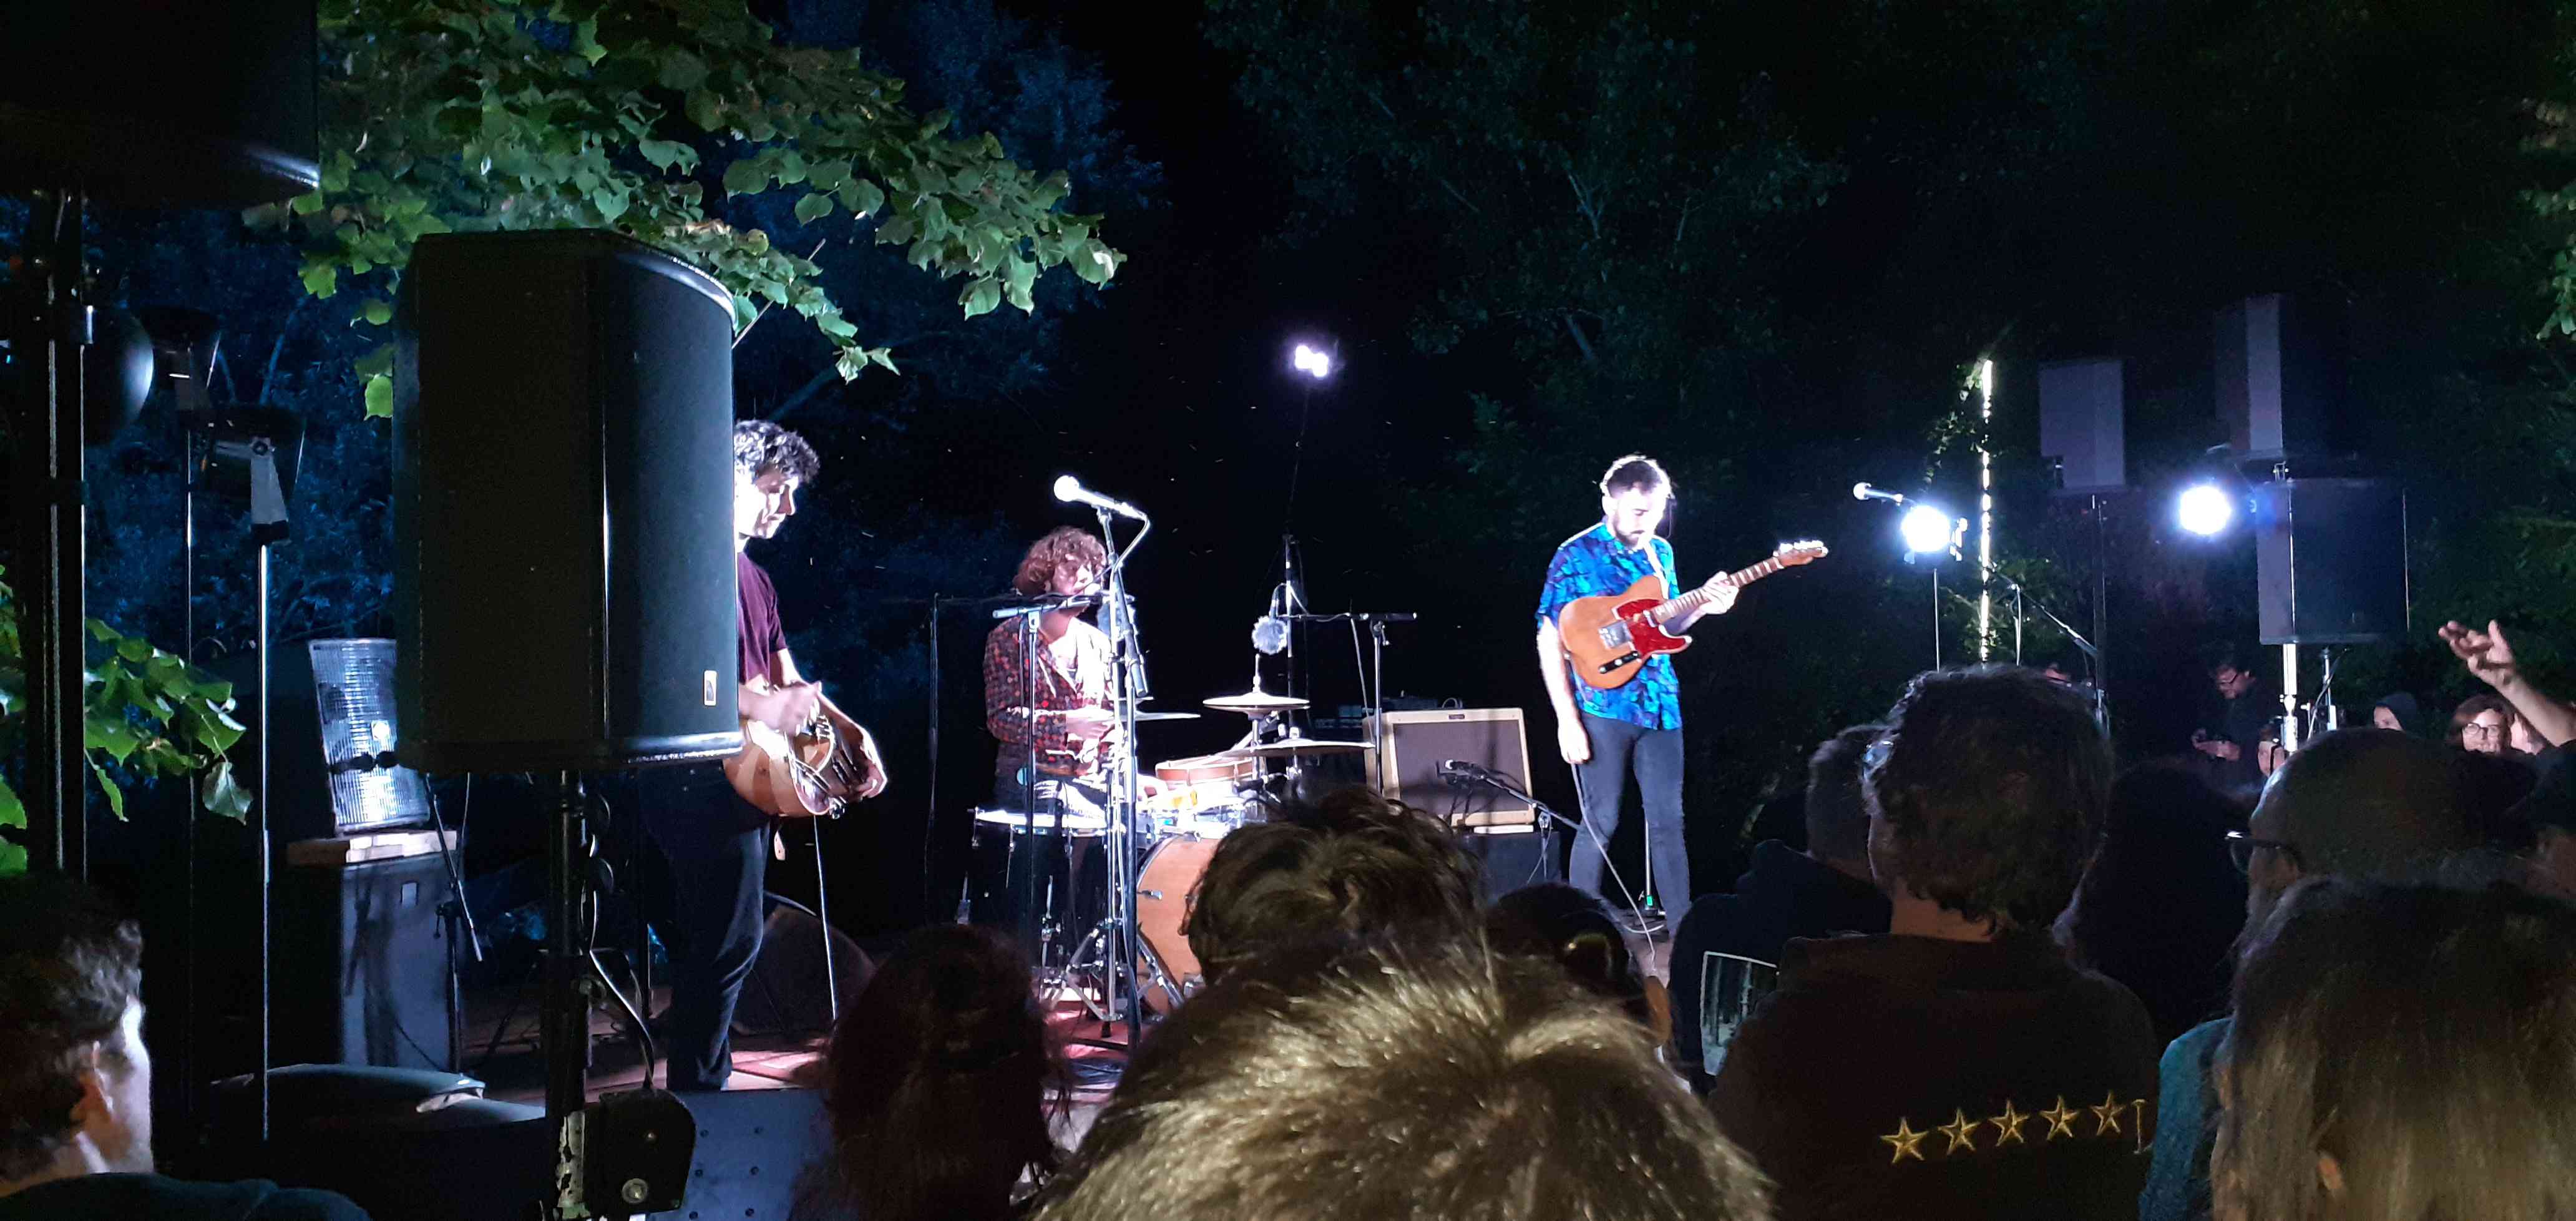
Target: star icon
<point x="1905" y="1140"/>
<point x="1960" y="1130"/>
<point x="2108" y="1114"/>
<point x="2061" y="1119"/>
<point x="2009" y="1125"/>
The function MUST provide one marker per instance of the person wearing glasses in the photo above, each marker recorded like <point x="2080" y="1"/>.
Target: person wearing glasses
<point x="2358" y="803"/>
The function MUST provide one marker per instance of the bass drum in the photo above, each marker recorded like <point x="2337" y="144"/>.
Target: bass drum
<point x="1163" y="891"/>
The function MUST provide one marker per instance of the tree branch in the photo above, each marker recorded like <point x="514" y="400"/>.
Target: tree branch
<point x="1581" y="344"/>
<point x="804" y="392"/>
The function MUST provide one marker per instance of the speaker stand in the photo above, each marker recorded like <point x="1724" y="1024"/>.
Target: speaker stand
<point x="563" y="1024"/>
<point x="50" y="327"/>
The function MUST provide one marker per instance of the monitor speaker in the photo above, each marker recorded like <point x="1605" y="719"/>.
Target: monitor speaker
<point x="363" y="951"/>
<point x="563" y="492"/>
<point x="1411" y="746"/>
<point x="2330" y="561"/>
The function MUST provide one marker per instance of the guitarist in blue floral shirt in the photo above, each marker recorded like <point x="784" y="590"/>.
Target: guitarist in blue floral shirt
<point x="1637" y="726"/>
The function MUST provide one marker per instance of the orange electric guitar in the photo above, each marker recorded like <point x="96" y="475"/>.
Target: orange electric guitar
<point x="808" y="775"/>
<point x="1609" y="638"/>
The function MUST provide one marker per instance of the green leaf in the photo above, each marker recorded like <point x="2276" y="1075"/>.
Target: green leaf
<point x="863" y="197"/>
<point x="377" y="313"/>
<point x="681" y="71"/>
<point x="746" y="177"/>
<point x="115" y="795"/>
<point x="850" y="365"/>
<point x="13" y="859"/>
<point x="981" y="296"/>
<point x="306" y="204"/>
<point x="378" y="362"/>
<point x="813" y="207"/>
<point x="100" y="731"/>
<point x="885" y="357"/>
<point x="380" y="397"/>
<point x="829" y="175"/>
<point x="706" y="110"/>
<point x="100" y="631"/>
<point x="585" y="41"/>
<point x="13" y="813"/>
<point x="667" y="153"/>
<point x="220" y="794"/>
<point x="322" y="279"/>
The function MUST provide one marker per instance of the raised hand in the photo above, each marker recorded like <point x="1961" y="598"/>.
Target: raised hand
<point x="2488" y="655"/>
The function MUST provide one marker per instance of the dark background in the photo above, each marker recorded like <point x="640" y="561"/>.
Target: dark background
<point x="2026" y="181"/>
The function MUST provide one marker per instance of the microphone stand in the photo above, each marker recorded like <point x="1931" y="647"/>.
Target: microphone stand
<point x="2092" y="654"/>
<point x="1549" y="819"/>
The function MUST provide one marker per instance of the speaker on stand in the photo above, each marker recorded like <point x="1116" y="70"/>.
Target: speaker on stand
<point x="564" y="562"/>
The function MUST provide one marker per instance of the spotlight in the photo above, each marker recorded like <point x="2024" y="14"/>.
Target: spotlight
<point x="1312" y="361"/>
<point x="1926" y="530"/>
<point x="2205" y="509"/>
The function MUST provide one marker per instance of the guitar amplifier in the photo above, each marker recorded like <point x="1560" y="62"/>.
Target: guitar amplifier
<point x="1411" y="745"/>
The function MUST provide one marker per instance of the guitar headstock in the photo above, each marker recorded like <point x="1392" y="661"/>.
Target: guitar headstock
<point x="1803" y="551"/>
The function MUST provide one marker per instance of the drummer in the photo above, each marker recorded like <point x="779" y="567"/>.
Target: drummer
<point x="1048" y="700"/>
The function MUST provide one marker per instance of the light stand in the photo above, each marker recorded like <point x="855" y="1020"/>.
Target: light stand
<point x="2092" y="654"/>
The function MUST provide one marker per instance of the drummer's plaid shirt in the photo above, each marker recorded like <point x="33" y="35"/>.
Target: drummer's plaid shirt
<point x="1593" y="563"/>
<point x="1006" y="698"/>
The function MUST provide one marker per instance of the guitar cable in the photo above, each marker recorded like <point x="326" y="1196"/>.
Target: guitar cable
<point x="1582" y="801"/>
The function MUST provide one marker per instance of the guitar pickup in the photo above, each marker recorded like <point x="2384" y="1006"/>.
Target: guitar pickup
<point x="1612" y="665"/>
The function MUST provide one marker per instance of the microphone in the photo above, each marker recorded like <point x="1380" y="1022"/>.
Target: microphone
<point x="1070" y="490"/>
<point x="1269" y="635"/>
<point x="1863" y="491"/>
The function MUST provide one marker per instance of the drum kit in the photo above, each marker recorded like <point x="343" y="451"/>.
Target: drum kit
<point x="1196" y="801"/>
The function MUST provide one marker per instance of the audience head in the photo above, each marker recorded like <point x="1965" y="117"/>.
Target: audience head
<point x="75" y="1081"/>
<point x="1439" y="1081"/>
<point x="1060" y="558"/>
<point x="2398" y="711"/>
<point x="2357" y="802"/>
<point x="1986" y="797"/>
<point x="1570" y="927"/>
<point x="1837" y="814"/>
<point x="2550" y="812"/>
<point x="1352" y="865"/>
<point x="938" y="1080"/>
<point x="2160" y="907"/>
<point x="2483" y="723"/>
<point x="2401" y="1052"/>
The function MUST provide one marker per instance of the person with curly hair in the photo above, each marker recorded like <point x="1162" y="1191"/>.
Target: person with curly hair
<point x="1959" y="1065"/>
<point x="1349" y="866"/>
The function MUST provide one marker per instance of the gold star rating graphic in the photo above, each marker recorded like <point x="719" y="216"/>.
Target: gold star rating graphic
<point x="2061" y="1119"/>
<point x="2008" y="1125"/>
<point x="1961" y="1130"/>
<point x="1906" y="1141"/>
<point x="2107" y="1115"/>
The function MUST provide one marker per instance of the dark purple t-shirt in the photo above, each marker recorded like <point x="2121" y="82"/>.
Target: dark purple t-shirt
<point x="762" y="638"/>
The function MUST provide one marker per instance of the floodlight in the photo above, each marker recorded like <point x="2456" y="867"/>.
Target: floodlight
<point x="1926" y="530"/>
<point x="2205" y="509"/>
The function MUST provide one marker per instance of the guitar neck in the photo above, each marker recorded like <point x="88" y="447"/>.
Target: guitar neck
<point x="1697" y="598"/>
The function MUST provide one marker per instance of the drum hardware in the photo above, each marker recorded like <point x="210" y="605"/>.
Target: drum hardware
<point x="1143" y="717"/>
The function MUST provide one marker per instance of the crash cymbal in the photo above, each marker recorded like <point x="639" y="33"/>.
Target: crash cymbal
<point x="1298" y="746"/>
<point x="1255" y="701"/>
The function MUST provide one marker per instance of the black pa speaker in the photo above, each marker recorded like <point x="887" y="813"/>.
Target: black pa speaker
<point x="563" y="506"/>
<point x="2330" y="561"/>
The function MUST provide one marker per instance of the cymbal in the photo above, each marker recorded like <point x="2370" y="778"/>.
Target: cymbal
<point x="1143" y="717"/>
<point x="1298" y="746"/>
<point x="1255" y="701"/>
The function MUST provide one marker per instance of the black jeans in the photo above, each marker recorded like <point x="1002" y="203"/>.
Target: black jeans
<point x="719" y="853"/>
<point x="1655" y="755"/>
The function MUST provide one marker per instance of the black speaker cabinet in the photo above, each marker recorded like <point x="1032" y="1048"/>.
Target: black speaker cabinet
<point x="2330" y="561"/>
<point x="563" y="498"/>
<point x="1509" y="858"/>
<point x="2082" y="425"/>
<point x="1412" y="744"/>
<point x="2279" y="375"/>
<point x="362" y="964"/>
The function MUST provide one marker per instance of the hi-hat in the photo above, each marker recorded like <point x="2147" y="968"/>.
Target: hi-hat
<point x="1255" y="700"/>
<point x="1298" y="746"/>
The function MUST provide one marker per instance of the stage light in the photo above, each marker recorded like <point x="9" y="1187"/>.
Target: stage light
<point x="1312" y="361"/>
<point x="1926" y="530"/>
<point x="2205" y="509"/>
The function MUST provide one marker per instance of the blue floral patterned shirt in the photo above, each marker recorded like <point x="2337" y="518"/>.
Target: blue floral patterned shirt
<point x="1594" y="563"/>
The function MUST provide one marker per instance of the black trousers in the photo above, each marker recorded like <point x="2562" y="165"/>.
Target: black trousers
<point x="718" y="848"/>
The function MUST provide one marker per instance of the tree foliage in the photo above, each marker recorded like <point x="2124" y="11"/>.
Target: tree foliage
<point x="477" y="115"/>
